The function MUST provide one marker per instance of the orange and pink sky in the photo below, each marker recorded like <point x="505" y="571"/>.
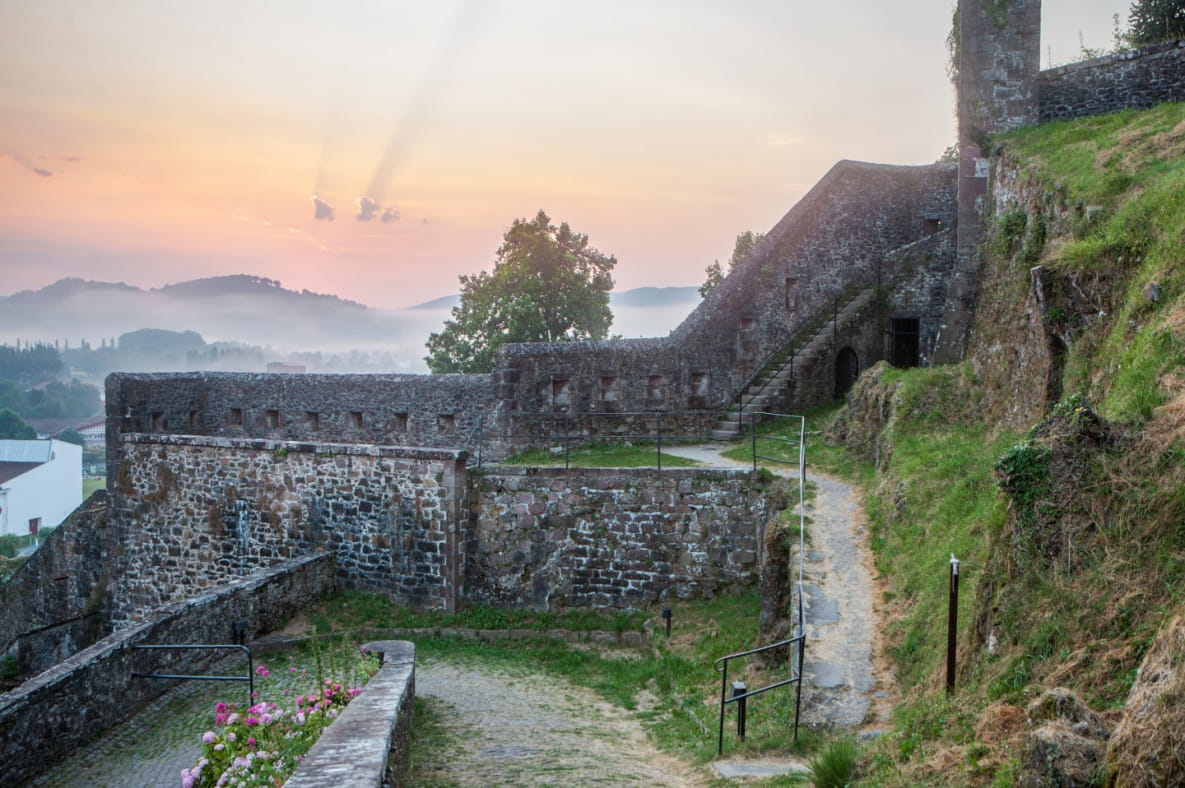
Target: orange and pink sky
<point x="154" y="141"/>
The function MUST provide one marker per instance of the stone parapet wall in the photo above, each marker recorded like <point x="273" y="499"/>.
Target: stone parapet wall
<point x="51" y="607"/>
<point x="73" y="702"/>
<point x="1138" y="79"/>
<point x="547" y="538"/>
<point x="435" y="411"/>
<point x="198" y="512"/>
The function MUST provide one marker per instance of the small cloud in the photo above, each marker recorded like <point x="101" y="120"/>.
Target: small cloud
<point x="322" y="211"/>
<point x="43" y="173"/>
<point x="389" y="215"/>
<point x="367" y="209"/>
<point x="776" y="140"/>
<point x="70" y="158"/>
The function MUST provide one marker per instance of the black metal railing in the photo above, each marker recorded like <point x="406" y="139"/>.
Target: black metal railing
<point x="249" y="678"/>
<point x="741" y="693"/>
<point x="568" y="432"/>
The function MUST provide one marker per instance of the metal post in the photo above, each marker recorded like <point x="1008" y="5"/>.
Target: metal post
<point x="753" y="434"/>
<point x="738" y="691"/>
<point x="666" y="614"/>
<point x="658" y="439"/>
<point x="952" y="624"/>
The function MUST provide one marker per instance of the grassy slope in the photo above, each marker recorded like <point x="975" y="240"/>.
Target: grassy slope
<point x="1086" y="624"/>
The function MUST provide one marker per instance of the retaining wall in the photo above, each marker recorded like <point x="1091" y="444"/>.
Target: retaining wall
<point x="197" y="512"/>
<point x="547" y="538"/>
<point x="1138" y="79"/>
<point x="73" y="702"/>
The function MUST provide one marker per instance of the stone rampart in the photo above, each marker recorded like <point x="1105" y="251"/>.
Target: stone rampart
<point x="1138" y="79"/>
<point x="838" y="236"/>
<point x="435" y="411"/>
<point x="52" y="606"/>
<point x="196" y="512"/>
<point x="547" y="538"/>
<point x="73" y="702"/>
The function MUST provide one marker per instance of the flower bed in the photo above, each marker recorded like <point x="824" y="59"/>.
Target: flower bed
<point x="263" y="744"/>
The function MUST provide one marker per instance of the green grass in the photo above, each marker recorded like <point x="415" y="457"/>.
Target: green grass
<point x="90" y="485"/>
<point x="602" y="456"/>
<point x="350" y="610"/>
<point x="678" y="672"/>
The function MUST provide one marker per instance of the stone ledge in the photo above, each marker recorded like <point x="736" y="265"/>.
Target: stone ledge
<point x="303" y="447"/>
<point x="367" y="746"/>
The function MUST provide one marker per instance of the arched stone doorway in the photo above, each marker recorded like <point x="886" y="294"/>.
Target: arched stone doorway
<point x="847" y="369"/>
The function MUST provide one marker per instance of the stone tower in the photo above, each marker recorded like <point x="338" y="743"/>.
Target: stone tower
<point x="999" y="55"/>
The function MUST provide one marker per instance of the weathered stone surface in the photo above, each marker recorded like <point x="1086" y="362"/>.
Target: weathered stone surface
<point x="367" y="746"/>
<point x="1138" y="79"/>
<point x="613" y="538"/>
<point x="93" y="690"/>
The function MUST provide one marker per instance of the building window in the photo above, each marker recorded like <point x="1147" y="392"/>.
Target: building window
<point x="748" y="323"/>
<point x="354" y="419"/>
<point x="932" y="223"/>
<point x="272" y="419"/>
<point x="235" y="417"/>
<point x="446" y="423"/>
<point x="791" y="293"/>
<point x="399" y="422"/>
<point x="313" y="419"/>
<point x="195" y="420"/>
<point x="157" y="422"/>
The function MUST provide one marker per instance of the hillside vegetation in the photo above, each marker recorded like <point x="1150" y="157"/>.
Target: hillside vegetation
<point x="1052" y="463"/>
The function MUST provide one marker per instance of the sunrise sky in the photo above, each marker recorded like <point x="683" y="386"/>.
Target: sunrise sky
<point x="153" y="141"/>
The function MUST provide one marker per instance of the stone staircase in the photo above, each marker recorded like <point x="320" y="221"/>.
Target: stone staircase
<point x="785" y="367"/>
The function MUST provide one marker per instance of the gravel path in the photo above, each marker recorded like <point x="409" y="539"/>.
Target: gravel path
<point x="535" y="730"/>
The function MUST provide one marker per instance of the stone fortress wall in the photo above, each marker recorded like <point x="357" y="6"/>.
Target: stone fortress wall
<point x="1138" y="79"/>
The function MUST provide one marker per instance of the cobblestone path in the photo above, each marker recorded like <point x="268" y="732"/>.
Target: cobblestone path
<point x="532" y="730"/>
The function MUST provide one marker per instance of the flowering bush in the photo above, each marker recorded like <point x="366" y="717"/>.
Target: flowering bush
<point x="263" y="744"/>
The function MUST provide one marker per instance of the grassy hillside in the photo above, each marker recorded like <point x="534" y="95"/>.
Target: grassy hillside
<point x="1071" y="530"/>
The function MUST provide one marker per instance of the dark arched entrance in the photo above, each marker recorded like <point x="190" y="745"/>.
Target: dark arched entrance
<point x="847" y="369"/>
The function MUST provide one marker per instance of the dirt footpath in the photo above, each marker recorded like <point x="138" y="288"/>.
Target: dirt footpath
<point x="533" y="729"/>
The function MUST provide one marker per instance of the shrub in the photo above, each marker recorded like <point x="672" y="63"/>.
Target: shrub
<point x="834" y="766"/>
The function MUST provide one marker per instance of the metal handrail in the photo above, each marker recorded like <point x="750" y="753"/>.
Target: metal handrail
<point x="249" y="678"/>
<point x="796" y="668"/>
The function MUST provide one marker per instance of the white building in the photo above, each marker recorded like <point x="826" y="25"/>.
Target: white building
<point x="40" y="484"/>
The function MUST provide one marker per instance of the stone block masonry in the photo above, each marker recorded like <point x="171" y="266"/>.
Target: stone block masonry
<point x="197" y="512"/>
<point x="1138" y="79"/>
<point x="547" y="538"/>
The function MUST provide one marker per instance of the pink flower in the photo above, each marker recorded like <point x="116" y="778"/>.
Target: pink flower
<point x="186" y="779"/>
<point x="251" y="741"/>
<point x="208" y="737"/>
<point x="262" y="671"/>
<point x="291" y="670"/>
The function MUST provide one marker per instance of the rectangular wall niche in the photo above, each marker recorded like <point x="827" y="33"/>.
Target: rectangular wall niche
<point x="656" y="389"/>
<point x="610" y="388"/>
<point x="195" y="420"/>
<point x="398" y="423"/>
<point x="313" y="419"/>
<point x="235" y="417"/>
<point x="561" y="393"/>
<point x="791" y="293"/>
<point x="446" y="424"/>
<point x="271" y="419"/>
<point x="701" y="385"/>
<point x="157" y="422"/>
<point x="354" y="419"/>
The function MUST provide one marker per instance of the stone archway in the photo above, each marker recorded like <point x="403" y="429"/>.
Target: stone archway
<point x="847" y="369"/>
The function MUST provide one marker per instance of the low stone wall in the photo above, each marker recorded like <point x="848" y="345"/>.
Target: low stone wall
<point x="72" y="703"/>
<point x="549" y="538"/>
<point x="1138" y="79"/>
<point x="367" y="746"/>
<point x="195" y="512"/>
